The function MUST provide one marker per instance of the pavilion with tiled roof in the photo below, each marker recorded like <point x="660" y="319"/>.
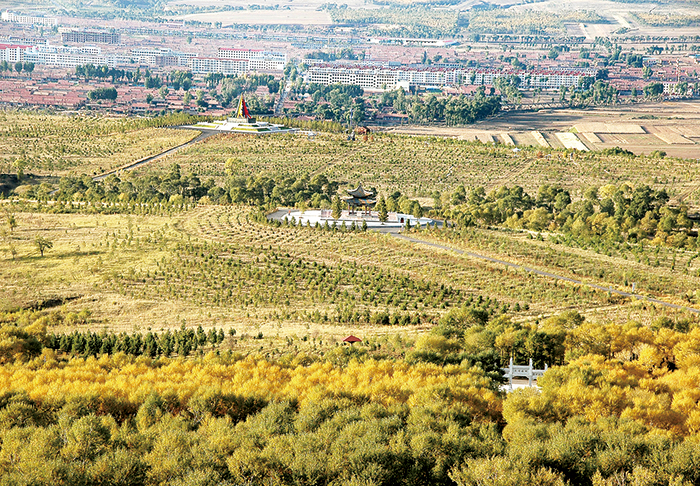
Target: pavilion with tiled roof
<point x="359" y="198"/>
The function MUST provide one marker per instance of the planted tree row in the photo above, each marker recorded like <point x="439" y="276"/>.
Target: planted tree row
<point x="183" y="342"/>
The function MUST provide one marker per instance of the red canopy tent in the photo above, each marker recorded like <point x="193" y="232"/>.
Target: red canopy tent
<point x="352" y="339"/>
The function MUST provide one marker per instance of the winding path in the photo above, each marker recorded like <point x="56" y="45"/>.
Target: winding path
<point x="547" y="274"/>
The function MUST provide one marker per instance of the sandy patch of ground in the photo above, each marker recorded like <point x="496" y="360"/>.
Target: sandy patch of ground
<point x="598" y="127"/>
<point x="539" y="138"/>
<point x="670" y="135"/>
<point x="507" y="139"/>
<point x="632" y="127"/>
<point x="571" y="141"/>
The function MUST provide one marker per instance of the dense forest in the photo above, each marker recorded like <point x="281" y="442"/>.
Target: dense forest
<point x="620" y="407"/>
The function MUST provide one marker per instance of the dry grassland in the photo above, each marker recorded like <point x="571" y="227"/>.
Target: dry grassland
<point x="139" y="273"/>
<point x="419" y="166"/>
<point x="62" y="145"/>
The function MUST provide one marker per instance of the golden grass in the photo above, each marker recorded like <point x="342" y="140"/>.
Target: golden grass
<point x="418" y="166"/>
<point x="103" y="260"/>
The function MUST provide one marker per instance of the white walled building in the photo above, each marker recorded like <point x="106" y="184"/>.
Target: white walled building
<point x="545" y="79"/>
<point x="259" y="60"/>
<point x="161" y="56"/>
<point x="13" y="53"/>
<point x="67" y="57"/>
<point x="206" y="65"/>
<point x="231" y="61"/>
<point x="372" y="77"/>
<point x="389" y="77"/>
<point x="8" y="16"/>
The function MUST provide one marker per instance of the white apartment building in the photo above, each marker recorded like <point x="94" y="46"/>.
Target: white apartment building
<point x="13" y="53"/>
<point x="389" y="77"/>
<point x="369" y="77"/>
<point x="8" y="16"/>
<point x="206" y="65"/>
<point x="545" y="79"/>
<point x="64" y="56"/>
<point x="161" y="56"/>
<point x="260" y="60"/>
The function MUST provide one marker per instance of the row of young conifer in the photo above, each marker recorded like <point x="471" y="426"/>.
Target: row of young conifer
<point x="183" y="342"/>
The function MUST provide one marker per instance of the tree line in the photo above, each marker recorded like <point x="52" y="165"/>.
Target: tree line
<point x="19" y="66"/>
<point x="453" y="110"/>
<point x="612" y="213"/>
<point x="183" y="342"/>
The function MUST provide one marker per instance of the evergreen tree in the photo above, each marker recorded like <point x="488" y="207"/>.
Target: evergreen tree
<point x="381" y="210"/>
<point x="337" y="207"/>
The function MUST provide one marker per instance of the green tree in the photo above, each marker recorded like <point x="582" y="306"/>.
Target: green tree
<point x="42" y="244"/>
<point x="381" y="210"/>
<point x="11" y="221"/>
<point x="337" y="207"/>
<point x="652" y="90"/>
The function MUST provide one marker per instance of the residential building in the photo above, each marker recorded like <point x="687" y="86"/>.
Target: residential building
<point x="64" y="56"/>
<point x="89" y="36"/>
<point x="13" y="52"/>
<point x="161" y="56"/>
<point x="259" y="60"/>
<point x="8" y="16"/>
<point x="206" y="65"/>
<point x="390" y="76"/>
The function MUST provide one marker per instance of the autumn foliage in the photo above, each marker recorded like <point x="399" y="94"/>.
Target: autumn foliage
<point x="620" y="405"/>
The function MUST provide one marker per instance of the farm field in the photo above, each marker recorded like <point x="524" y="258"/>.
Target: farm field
<point x="653" y="123"/>
<point x="213" y="266"/>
